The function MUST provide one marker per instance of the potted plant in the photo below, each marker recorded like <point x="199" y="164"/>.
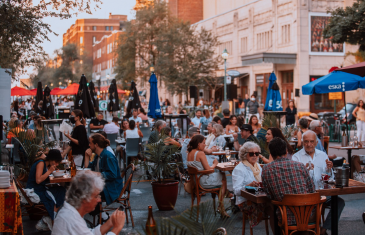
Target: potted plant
<point x="162" y="167"/>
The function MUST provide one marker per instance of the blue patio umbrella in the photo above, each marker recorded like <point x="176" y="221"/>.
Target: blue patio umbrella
<point x="154" y="108"/>
<point x="273" y="97"/>
<point x="337" y="81"/>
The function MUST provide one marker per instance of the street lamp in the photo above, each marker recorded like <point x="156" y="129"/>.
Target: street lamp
<point x="51" y="84"/>
<point x="152" y="69"/>
<point x="225" y="57"/>
<point x="60" y="83"/>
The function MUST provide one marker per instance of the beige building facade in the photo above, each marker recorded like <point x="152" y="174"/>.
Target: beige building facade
<point x="284" y="36"/>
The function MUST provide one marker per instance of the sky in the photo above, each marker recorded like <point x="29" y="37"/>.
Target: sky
<point x="118" y="7"/>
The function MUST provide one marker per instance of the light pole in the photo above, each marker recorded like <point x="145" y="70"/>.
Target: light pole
<point x="225" y="57"/>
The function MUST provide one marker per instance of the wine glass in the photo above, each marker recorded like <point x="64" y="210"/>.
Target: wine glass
<point x="228" y="154"/>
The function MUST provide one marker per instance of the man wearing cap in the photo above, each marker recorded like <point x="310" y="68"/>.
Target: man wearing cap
<point x="312" y="117"/>
<point x="29" y="122"/>
<point x="246" y="133"/>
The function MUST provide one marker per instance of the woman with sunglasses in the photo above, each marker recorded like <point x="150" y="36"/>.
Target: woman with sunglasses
<point x="248" y="173"/>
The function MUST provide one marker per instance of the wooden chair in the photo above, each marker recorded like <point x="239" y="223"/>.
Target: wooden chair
<point x="122" y="199"/>
<point x="197" y="190"/>
<point x="244" y="215"/>
<point x="34" y="211"/>
<point x="302" y="206"/>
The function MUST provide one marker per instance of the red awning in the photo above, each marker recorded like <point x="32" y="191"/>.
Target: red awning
<point x="106" y="88"/>
<point x="70" y="90"/>
<point x="55" y="90"/>
<point x="33" y="92"/>
<point x="18" y="91"/>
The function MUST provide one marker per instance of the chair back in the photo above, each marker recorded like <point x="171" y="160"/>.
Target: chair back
<point x="301" y="205"/>
<point x="146" y="131"/>
<point x="20" y="187"/>
<point x="203" y="128"/>
<point x="127" y="173"/>
<point x="112" y="138"/>
<point x="16" y="157"/>
<point x="132" y="147"/>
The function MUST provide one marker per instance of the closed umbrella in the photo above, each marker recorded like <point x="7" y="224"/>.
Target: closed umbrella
<point x="47" y="108"/>
<point x="113" y="97"/>
<point x="93" y="95"/>
<point x="154" y="108"/>
<point x="38" y="97"/>
<point x="273" y="98"/>
<point x="133" y="102"/>
<point x="83" y="99"/>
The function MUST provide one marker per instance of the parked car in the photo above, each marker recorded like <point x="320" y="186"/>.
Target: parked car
<point x="331" y="117"/>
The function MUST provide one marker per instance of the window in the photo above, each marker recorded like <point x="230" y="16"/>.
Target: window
<point x="111" y="28"/>
<point x="285" y="34"/>
<point x="98" y="53"/>
<point x="262" y="83"/>
<point x="225" y="45"/>
<point x="81" y="51"/>
<point x="287" y="76"/>
<point x="80" y="28"/>
<point x="107" y="49"/>
<point x="264" y="40"/>
<point x="94" y="55"/>
<point x="107" y="28"/>
<point x="244" y="45"/>
<point x="94" y="39"/>
<point x="94" y="28"/>
<point x="81" y="40"/>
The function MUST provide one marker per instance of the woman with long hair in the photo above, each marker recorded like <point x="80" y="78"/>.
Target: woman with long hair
<point x="79" y="142"/>
<point x="254" y="122"/>
<point x="197" y="159"/>
<point x="142" y="114"/>
<point x="359" y="114"/>
<point x="133" y="131"/>
<point x="232" y="126"/>
<point x="40" y="131"/>
<point x="271" y="133"/>
<point x="291" y="113"/>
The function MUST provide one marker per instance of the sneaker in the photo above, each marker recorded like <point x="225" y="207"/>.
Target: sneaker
<point x="47" y="220"/>
<point x="41" y="226"/>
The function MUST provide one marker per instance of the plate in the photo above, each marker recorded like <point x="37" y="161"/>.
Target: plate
<point x="59" y="176"/>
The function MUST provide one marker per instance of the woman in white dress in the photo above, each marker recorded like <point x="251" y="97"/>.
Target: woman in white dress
<point x="197" y="159"/>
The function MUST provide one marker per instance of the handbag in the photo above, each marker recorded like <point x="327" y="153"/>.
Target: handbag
<point x="188" y="186"/>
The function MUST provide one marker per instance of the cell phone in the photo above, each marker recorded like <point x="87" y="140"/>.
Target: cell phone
<point x="121" y="208"/>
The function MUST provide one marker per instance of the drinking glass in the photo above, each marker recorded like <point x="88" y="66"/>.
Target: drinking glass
<point x="351" y="143"/>
<point x="228" y="154"/>
<point x="320" y="184"/>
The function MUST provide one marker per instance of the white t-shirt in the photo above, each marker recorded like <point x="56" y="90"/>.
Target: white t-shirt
<point x="137" y="119"/>
<point x="132" y="133"/>
<point x="111" y="128"/>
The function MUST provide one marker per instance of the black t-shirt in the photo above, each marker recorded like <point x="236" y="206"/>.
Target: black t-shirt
<point x="96" y="122"/>
<point x="80" y="134"/>
<point x="225" y="122"/>
<point x="290" y="116"/>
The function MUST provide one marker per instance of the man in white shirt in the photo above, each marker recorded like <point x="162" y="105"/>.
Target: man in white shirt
<point x="135" y="117"/>
<point x="197" y="118"/>
<point x="113" y="127"/>
<point x="319" y="162"/>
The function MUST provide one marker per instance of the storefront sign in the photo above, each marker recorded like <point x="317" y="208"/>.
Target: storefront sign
<point x="335" y="96"/>
<point x="103" y="105"/>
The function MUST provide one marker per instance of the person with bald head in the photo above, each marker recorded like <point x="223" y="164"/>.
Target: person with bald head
<point x="318" y="161"/>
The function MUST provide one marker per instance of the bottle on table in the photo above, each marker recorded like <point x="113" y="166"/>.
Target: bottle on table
<point x="72" y="164"/>
<point x="150" y="224"/>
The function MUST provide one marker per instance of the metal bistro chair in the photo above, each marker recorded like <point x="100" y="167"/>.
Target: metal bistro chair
<point x="124" y="195"/>
<point x="301" y="205"/>
<point x="146" y="131"/>
<point x="203" y="128"/>
<point x="131" y="149"/>
<point x="15" y="158"/>
<point x="112" y="138"/>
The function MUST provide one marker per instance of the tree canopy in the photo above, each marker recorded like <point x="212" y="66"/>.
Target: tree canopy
<point x="181" y="54"/>
<point x="23" y="30"/>
<point x="348" y="25"/>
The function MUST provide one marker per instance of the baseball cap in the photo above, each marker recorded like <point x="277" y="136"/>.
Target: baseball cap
<point x="246" y="127"/>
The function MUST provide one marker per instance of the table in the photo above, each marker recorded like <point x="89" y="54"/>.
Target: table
<point x="349" y="151"/>
<point x="222" y="153"/>
<point x="329" y="190"/>
<point x="121" y="141"/>
<point x="10" y="212"/>
<point x="54" y="180"/>
<point x="225" y="166"/>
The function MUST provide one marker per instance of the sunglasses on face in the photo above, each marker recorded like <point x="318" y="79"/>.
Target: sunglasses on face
<point x="253" y="153"/>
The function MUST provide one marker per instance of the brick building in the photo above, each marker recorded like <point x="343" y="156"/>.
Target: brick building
<point x="85" y="32"/>
<point x="104" y="58"/>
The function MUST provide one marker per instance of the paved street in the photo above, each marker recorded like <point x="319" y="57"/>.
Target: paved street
<point x="141" y="197"/>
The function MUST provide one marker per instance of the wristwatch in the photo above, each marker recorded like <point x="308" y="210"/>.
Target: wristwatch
<point x="235" y="140"/>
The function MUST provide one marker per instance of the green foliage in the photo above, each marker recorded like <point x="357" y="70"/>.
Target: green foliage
<point x="72" y="67"/>
<point x="269" y="120"/>
<point x="348" y="25"/>
<point x="186" y="222"/>
<point x="288" y="131"/>
<point x="23" y="29"/>
<point x="180" y="54"/>
<point x="159" y="159"/>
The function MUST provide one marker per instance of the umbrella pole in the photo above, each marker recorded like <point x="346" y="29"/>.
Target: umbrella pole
<point x="347" y="127"/>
